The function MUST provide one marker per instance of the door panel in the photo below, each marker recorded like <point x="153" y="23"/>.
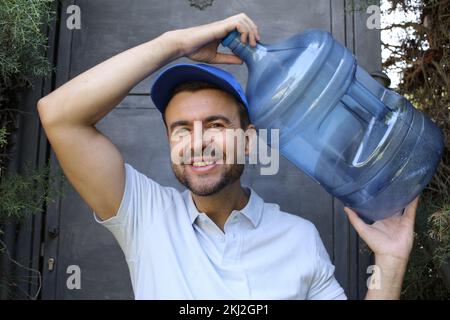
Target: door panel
<point x="135" y="127"/>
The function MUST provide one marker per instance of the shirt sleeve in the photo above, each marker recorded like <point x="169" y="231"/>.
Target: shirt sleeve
<point x="142" y="200"/>
<point x="324" y="285"/>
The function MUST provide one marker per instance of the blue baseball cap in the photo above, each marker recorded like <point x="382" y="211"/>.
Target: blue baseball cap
<point x="177" y="74"/>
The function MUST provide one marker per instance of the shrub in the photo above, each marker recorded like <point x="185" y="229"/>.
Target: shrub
<point x="22" y="59"/>
<point x="422" y="56"/>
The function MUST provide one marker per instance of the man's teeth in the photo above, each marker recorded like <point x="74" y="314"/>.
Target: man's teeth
<point x="202" y="163"/>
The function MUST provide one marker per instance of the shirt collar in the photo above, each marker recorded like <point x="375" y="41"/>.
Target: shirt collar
<point x="253" y="210"/>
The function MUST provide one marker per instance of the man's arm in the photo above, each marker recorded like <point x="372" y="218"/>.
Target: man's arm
<point x="391" y="240"/>
<point x="90" y="161"/>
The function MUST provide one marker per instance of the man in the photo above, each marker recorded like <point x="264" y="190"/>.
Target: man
<point x="217" y="240"/>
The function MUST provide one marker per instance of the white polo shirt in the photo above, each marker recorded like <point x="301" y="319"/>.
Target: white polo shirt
<point x="174" y="251"/>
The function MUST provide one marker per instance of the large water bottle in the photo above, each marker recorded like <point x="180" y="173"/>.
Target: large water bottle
<point x="365" y="144"/>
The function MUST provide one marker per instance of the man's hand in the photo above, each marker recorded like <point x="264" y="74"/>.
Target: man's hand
<point x="391" y="240"/>
<point x="200" y="43"/>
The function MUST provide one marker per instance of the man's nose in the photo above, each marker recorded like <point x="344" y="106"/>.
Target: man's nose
<point x="198" y="136"/>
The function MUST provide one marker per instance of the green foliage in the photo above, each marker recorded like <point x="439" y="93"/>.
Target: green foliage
<point x="424" y="278"/>
<point x="22" y="58"/>
<point x="22" y="42"/>
<point x="422" y="54"/>
<point x="22" y="195"/>
<point x="439" y="233"/>
<point x="25" y="194"/>
<point x="3" y="135"/>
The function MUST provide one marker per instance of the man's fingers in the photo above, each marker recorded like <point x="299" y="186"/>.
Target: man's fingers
<point x="359" y="225"/>
<point x="252" y="39"/>
<point x="244" y="36"/>
<point x="251" y="31"/>
<point x="242" y="29"/>
<point x="227" y="58"/>
<point x="255" y="30"/>
<point x="248" y="30"/>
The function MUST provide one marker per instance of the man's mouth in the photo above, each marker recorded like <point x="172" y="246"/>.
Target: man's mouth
<point x="202" y="165"/>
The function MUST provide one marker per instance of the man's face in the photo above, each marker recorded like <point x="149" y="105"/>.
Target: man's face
<point x="213" y="111"/>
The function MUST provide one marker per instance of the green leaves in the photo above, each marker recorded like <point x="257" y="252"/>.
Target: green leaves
<point x="28" y="193"/>
<point x="3" y="135"/>
<point x="23" y="40"/>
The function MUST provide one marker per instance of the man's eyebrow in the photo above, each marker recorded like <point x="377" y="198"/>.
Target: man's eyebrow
<point x="218" y="117"/>
<point x="207" y="119"/>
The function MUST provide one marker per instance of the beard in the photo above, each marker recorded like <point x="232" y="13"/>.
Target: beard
<point x="208" y="185"/>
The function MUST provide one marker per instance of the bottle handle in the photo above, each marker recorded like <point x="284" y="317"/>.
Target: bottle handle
<point x="364" y="102"/>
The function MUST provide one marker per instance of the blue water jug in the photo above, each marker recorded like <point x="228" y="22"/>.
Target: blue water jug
<point x="365" y="144"/>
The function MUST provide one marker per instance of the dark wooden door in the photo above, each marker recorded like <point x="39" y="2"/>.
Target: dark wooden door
<point x="111" y="26"/>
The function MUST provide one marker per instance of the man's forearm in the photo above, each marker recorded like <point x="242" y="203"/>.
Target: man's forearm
<point x="90" y="96"/>
<point x="387" y="279"/>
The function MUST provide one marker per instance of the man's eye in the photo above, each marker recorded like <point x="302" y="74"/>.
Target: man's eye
<point x="181" y="130"/>
<point x="216" y="125"/>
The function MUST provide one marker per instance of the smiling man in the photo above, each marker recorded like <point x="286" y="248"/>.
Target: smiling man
<point x="218" y="239"/>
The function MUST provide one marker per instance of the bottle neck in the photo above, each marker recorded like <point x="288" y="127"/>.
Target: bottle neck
<point x="250" y="55"/>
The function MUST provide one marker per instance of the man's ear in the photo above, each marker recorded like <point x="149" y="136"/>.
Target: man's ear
<point x="167" y="132"/>
<point x="250" y="139"/>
